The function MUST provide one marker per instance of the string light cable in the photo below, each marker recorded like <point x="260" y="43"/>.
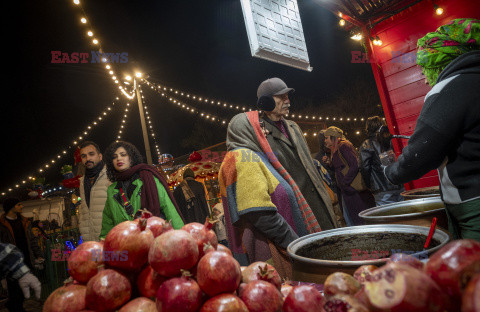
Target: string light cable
<point x="162" y="89"/>
<point x="123" y="123"/>
<point x="83" y="136"/>
<point x="96" y="43"/>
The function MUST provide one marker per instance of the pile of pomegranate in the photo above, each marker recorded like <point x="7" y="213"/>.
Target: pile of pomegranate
<point x="145" y="265"/>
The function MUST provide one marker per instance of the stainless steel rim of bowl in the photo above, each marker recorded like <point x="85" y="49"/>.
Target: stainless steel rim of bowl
<point x="433" y="200"/>
<point x="293" y="247"/>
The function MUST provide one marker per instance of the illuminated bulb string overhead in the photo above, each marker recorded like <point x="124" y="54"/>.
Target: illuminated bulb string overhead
<point x="195" y="111"/>
<point x="164" y="90"/>
<point x="201" y="99"/>
<point x="123" y="123"/>
<point x="75" y="141"/>
<point x="97" y="45"/>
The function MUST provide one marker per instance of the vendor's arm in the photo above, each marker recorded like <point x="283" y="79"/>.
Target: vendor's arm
<point x="439" y="130"/>
<point x="167" y="207"/>
<point x="273" y="226"/>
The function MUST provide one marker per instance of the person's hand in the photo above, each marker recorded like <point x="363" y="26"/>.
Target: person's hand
<point x="30" y="281"/>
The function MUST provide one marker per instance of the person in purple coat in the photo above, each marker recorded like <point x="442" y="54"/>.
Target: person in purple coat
<point x="344" y="155"/>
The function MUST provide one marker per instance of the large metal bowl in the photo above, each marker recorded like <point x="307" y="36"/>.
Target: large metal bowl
<point x="426" y="192"/>
<point x="414" y="212"/>
<point x="317" y="255"/>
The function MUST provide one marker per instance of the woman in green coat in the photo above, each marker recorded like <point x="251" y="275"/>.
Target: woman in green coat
<point x="135" y="186"/>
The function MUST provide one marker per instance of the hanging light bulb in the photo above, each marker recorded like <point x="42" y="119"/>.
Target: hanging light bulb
<point x="438" y="10"/>
<point x="357" y="37"/>
<point x="342" y="22"/>
<point x="377" y="41"/>
<point x="83" y="20"/>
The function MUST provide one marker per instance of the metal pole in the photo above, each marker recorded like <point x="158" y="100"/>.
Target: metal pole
<point x="144" y="126"/>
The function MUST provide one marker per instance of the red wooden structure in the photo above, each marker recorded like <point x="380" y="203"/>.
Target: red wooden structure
<point x="399" y="24"/>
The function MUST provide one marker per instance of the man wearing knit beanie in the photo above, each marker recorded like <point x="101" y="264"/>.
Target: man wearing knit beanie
<point x="15" y="229"/>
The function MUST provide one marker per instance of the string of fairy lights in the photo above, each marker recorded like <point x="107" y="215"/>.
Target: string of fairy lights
<point x="162" y="89"/>
<point x="123" y="122"/>
<point x="48" y="164"/>
<point x="95" y="42"/>
<point x="149" y="121"/>
<point x="202" y="114"/>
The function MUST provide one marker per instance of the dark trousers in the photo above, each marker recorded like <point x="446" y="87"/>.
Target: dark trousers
<point x="15" y="297"/>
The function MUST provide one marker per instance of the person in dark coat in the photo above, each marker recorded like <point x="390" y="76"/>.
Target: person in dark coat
<point x="344" y="155"/>
<point x="15" y="229"/>
<point x="447" y="132"/>
<point x="376" y="151"/>
<point x="191" y="198"/>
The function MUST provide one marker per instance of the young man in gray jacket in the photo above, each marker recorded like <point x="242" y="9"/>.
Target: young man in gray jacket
<point x="93" y="191"/>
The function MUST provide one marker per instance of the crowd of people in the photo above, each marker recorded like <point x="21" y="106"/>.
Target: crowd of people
<point x="272" y="189"/>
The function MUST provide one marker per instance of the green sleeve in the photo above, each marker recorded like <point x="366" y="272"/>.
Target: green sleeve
<point x="167" y="206"/>
<point x="107" y="217"/>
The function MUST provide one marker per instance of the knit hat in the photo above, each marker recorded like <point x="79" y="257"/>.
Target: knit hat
<point x="9" y="203"/>
<point x="334" y="131"/>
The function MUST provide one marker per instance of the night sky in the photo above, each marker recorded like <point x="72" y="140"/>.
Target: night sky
<point x="200" y="47"/>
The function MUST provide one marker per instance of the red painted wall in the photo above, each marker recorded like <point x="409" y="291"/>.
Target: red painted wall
<point x="399" y="80"/>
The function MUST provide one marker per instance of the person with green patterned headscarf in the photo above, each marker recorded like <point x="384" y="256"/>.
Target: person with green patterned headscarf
<point x="437" y="49"/>
<point x="447" y="133"/>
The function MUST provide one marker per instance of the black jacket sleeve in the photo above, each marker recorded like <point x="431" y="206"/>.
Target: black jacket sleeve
<point x="367" y="155"/>
<point x="273" y="226"/>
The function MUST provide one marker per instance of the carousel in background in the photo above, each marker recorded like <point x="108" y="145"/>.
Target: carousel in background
<point x="205" y="172"/>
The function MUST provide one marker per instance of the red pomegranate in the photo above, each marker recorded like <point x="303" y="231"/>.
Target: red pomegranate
<point x="304" y="299"/>
<point x="398" y="287"/>
<point x="471" y="295"/>
<point x="107" y="291"/>
<point x="340" y="282"/>
<point x="364" y="273"/>
<point x="140" y="304"/>
<point x="203" y="234"/>
<point x="157" y="225"/>
<point x="262" y="271"/>
<point x="127" y="244"/>
<point x="286" y="288"/>
<point x="453" y="265"/>
<point x="261" y="296"/>
<point x="224" y="303"/>
<point x="84" y="261"/>
<point x="344" y="303"/>
<point x="224" y="248"/>
<point x="70" y="298"/>
<point x="148" y="282"/>
<point x="173" y="251"/>
<point x="179" y="294"/>
<point x="217" y="272"/>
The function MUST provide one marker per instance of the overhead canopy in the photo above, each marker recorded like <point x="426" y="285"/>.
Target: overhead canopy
<point x="363" y="12"/>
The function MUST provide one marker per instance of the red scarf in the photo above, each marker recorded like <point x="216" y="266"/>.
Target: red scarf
<point x="149" y="194"/>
